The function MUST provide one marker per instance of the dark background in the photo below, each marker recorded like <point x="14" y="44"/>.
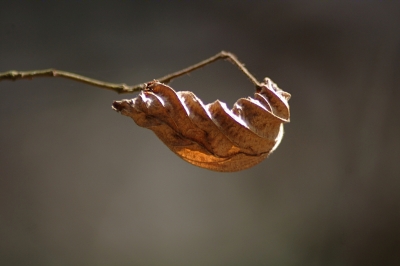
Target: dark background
<point x="83" y="185"/>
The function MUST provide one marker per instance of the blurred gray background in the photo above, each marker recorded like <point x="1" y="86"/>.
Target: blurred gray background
<point x="83" y="185"/>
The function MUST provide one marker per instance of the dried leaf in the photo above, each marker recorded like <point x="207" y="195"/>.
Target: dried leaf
<point x="212" y="136"/>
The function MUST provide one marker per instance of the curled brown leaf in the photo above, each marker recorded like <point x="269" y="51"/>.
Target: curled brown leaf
<point x="212" y="136"/>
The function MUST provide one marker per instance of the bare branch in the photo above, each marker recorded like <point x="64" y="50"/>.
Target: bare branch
<point x="220" y="55"/>
<point x="123" y="88"/>
<point x="119" y="88"/>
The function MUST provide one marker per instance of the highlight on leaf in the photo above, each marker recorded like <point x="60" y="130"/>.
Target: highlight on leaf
<point x="212" y="136"/>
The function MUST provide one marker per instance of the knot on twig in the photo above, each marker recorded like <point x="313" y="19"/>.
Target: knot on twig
<point x="11" y="75"/>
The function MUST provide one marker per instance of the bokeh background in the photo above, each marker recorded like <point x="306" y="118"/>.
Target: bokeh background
<point x="83" y="185"/>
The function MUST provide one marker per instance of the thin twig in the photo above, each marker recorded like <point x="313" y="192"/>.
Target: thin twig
<point x="220" y="55"/>
<point x="119" y="88"/>
<point x="123" y="88"/>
